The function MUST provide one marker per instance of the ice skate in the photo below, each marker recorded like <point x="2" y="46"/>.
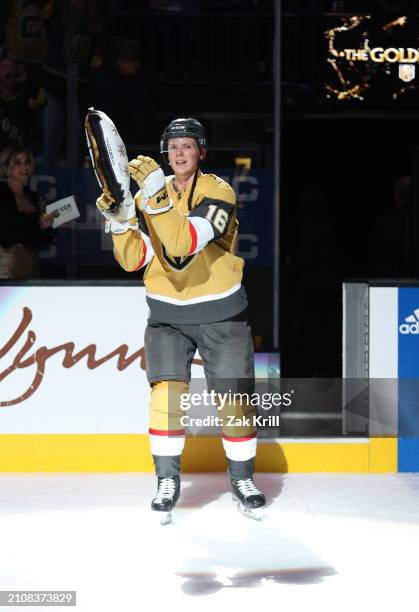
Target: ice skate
<point x="168" y="490"/>
<point x="251" y="500"/>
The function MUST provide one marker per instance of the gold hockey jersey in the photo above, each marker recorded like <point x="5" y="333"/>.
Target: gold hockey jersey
<point x="193" y="275"/>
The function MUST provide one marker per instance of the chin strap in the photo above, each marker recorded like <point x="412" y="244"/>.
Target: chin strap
<point x="195" y="178"/>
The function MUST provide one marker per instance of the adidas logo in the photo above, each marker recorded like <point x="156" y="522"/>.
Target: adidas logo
<point x="411" y="325"/>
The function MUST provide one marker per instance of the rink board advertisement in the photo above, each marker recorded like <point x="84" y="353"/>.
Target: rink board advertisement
<point x="394" y="354"/>
<point x="73" y="389"/>
<point x="72" y="360"/>
<point x="408" y="372"/>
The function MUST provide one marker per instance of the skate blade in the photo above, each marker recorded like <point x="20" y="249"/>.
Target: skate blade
<point x="254" y="513"/>
<point x="164" y="518"/>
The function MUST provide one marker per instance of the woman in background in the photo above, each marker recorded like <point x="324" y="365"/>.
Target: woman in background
<point x="24" y="227"/>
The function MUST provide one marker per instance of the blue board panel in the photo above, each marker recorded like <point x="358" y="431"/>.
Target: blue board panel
<point x="408" y="396"/>
<point x="408" y="455"/>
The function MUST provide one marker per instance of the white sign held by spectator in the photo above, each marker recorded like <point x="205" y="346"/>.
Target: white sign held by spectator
<point x="64" y="210"/>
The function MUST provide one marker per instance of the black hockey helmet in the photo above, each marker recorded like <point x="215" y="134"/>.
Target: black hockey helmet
<point x="180" y="128"/>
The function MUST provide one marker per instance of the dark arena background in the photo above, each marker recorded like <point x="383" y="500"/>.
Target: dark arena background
<point x="311" y="109"/>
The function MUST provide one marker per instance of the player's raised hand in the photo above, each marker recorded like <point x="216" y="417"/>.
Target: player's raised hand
<point x="104" y="203"/>
<point x="144" y="167"/>
<point x="150" y="178"/>
<point x="119" y="219"/>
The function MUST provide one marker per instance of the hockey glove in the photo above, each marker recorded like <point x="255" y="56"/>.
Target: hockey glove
<point x="150" y="178"/>
<point x="123" y="219"/>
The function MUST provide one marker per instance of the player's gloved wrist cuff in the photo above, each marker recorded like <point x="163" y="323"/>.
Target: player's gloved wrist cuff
<point x="124" y="210"/>
<point x="153" y="183"/>
<point x="153" y="207"/>
<point x="120" y="227"/>
<point x="127" y="207"/>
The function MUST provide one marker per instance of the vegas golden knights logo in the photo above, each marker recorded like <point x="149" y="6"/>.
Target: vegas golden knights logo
<point x="406" y="72"/>
<point x="177" y="263"/>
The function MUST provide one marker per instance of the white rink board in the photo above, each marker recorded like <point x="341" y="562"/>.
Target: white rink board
<point x="75" y="399"/>
<point x="383" y="332"/>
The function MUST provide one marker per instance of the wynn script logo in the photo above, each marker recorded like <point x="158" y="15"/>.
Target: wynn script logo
<point x="40" y="356"/>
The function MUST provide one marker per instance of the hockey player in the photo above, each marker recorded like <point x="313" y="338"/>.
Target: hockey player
<point x="186" y="235"/>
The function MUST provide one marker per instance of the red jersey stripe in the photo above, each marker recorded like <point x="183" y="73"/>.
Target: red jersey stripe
<point x="166" y="432"/>
<point x="245" y="439"/>
<point x="194" y="238"/>
<point x="140" y="265"/>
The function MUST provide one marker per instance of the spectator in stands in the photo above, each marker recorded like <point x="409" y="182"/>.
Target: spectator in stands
<point x="17" y="103"/>
<point x="25" y="43"/>
<point x="116" y="88"/>
<point x="25" y="228"/>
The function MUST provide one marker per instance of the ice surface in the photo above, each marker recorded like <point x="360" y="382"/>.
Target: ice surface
<point x="327" y="542"/>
